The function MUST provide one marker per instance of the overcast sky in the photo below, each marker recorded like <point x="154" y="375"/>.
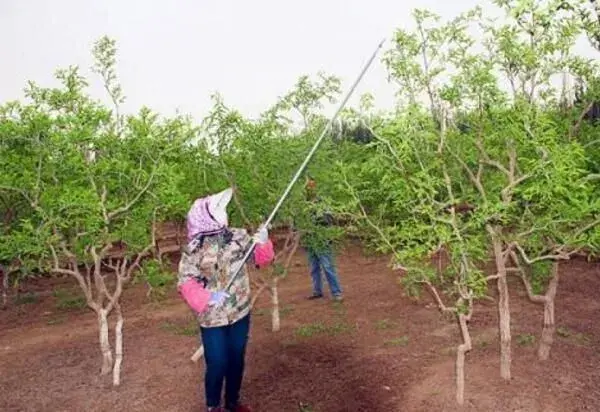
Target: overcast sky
<point x="174" y="54"/>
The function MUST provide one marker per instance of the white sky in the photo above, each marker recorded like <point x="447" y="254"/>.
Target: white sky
<point x="173" y="54"/>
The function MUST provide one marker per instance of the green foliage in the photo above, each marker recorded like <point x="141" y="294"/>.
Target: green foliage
<point x="509" y="155"/>
<point x="158" y="276"/>
<point x="540" y="274"/>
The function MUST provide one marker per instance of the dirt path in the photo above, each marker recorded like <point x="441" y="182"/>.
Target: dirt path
<point x="378" y="351"/>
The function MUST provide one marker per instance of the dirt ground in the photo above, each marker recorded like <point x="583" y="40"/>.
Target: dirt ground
<point x="377" y="351"/>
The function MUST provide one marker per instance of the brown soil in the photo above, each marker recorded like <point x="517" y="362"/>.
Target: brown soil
<point x="378" y="351"/>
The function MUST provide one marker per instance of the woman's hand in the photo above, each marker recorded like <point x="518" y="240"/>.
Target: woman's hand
<point x="217" y="298"/>
<point x="261" y="236"/>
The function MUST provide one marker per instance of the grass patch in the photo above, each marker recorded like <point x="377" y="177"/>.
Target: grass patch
<point x="384" y="324"/>
<point x="319" y="328"/>
<point x="26" y="298"/>
<point x="339" y="308"/>
<point x="483" y="344"/>
<point x="191" y="329"/>
<point x="286" y="311"/>
<point x="307" y="331"/>
<point x="259" y="312"/>
<point x="401" y="341"/>
<point x="575" y="337"/>
<point x="56" y="321"/>
<point x="525" y="339"/>
<point x="65" y="300"/>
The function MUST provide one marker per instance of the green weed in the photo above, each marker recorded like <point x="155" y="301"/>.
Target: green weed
<point x="318" y="328"/>
<point x="401" y="341"/>
<point x="65" y="300"/>
<point x="384" y="324"/>
<point x="525" y="339"/>
<point x="191" y="329"/>
<point x="26" y="298"/>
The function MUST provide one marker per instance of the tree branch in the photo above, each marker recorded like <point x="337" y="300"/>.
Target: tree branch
<point x="575" y="128"/>
<point x="438" y="299"/>
<point x="137" y="197"/>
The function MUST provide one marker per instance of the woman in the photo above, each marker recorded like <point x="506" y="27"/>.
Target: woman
<point x="211" y="257"/>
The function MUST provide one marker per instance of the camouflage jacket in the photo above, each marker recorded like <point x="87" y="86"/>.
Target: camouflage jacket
<point x="215" y="264"/>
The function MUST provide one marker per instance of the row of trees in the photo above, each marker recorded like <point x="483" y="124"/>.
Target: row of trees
<point x="84" y="189"/>
<point x="485" y="172"/>
<point x="463" y="168"/>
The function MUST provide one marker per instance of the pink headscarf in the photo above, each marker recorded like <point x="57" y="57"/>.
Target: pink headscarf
<point x="207" y="216"/>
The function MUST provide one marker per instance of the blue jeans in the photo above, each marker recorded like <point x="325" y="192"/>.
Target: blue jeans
<point x="323" y="260"/>
<point x="224" y="352"/>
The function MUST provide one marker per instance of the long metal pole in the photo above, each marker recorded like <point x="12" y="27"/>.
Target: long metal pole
<point x="307" y="160"/>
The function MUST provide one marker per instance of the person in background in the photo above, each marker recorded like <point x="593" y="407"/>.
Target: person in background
<point x="319" y="247"/>
<point x="213" y="253"/>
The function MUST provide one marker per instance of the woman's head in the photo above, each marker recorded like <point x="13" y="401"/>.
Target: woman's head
<point x="208" y="215"/>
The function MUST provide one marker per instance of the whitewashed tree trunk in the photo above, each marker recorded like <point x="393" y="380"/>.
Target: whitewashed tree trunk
<point x="118" y="347"/>
<point x="107" y="359"/>
<point x="5" y="285"/>
<point x="549" y="321"/>
<point x="462" y="349"/>
<point x="275" y="318"/>
<point x="503" y="310"/>
<point x="198" y="354"/>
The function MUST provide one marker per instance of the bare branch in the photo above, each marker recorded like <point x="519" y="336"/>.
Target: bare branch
<point x="556" y="256"/>
<point x="475" y="179"/>
<point x="487" y="160"/>
<point x="587" y="227"/>
<point x="575" y="128"/>
<point x="133" y="201"/>
<point x="102" y="197"/>
<point x="77" y="275"/>
<point x="438" y="299"/>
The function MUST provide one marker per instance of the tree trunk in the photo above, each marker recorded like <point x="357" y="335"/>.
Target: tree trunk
<point x="462" y="349"/>
<point x="198" y="354"/>
<point x="503" y="310"/>
<point x="118" y="347"/>
<point x="275" y="320"/>
<point x="107" y="360"/>
<point x="5" y="285"/>
<point x="505" y="338"/>
<point x="549" y="322"/>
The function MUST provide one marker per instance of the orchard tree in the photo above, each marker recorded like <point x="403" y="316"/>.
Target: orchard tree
<point x="484" y="170"/>
<point x="100" y="185"/>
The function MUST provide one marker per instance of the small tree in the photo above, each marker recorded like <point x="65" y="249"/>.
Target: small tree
<point x="100" y="185"/>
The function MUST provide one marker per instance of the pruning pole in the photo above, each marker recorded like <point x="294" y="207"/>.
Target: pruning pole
<point x="305" y="163"/>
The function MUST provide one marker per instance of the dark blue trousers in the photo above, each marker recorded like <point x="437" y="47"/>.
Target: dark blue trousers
<point x="224" y="352"/>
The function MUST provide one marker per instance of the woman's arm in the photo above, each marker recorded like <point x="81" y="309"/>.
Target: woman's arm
<point x="189" y="285"/>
